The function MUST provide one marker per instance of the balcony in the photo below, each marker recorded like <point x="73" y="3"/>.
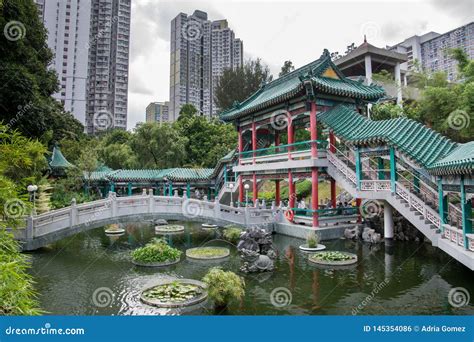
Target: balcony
<point x="297" y="155"/>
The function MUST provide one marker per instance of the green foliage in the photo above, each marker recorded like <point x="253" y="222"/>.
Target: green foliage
<point x="313" y="239"/>
<point x="286" y="68"/>
<point x="17" y="295"/>
<point x="232" y="234"/>
<point x="156" y="251"/>
<point x="187" y="111"/>
<point x="158" y="146"/>
<point x="27" y="82"/>
<point x="224" y="287"/>
<point x="385" y="111"/>
<point x="175" y="292"/>
<point x="383" y="76"/>
<point x="207" y="140"/>
<point x="332" y="256"/>
<point x="238" y="84"/>
<point x="21" y="163"/>
<point x="207" y="252"/>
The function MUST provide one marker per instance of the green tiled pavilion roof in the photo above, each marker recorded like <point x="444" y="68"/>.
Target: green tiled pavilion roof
<point x="292" y="83"/>
<point x="459" y="161"/>
<point x="150" y="175"/>
<point x="58" y="161"/>
<point x="415" y="140"/>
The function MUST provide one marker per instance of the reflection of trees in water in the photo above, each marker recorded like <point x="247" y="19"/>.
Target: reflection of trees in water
<point x="290" y="256"/>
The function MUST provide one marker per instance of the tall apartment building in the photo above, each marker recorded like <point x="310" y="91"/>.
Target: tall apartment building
<point x="90" y="41"/>
<point x="200" y="51"/>
<point x="68" y="24"/>
<point x="431" y="48"/>
<point x="157" y="112"/>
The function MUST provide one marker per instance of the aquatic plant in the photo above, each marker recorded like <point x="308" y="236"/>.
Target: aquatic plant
<point x="156" y="251"/>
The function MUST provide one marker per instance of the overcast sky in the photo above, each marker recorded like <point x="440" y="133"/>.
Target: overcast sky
<point x="277" y="31"/>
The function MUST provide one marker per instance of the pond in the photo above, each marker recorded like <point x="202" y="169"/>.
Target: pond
<point x="92" y="274"/>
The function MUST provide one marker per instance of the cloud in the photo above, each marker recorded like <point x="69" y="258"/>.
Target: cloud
<point x="459" y="9"/>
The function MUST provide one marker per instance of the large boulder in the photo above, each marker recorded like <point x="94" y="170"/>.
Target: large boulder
<point x="352" y="233"/>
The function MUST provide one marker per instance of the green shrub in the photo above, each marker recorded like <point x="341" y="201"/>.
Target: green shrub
<point x="224" y="287"/>
<point x="17" y="296"/>
<point x="232" y="234"/>
<point x="156" y="251"/>
<point x="312" y="239"/>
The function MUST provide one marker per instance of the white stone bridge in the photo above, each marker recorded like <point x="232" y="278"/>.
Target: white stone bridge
<point x="41" y="230"/>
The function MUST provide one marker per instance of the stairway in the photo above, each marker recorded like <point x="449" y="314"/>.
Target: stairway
<point x="430" y="230"/>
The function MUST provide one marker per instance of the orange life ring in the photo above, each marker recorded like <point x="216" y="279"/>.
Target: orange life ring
<point x="290" y="215"/>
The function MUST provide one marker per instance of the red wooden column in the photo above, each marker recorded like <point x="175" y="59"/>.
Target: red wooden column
<point x="358" y="202"/>
<point x="314" y="170"/>
<point x="332" y="148"/>
<point x="277" y="192"/>
<point x="254" y="139"/>
<point x="291" y="133"/>
<point x="240" y="144"/>
<point x="240" y="147"/>
<point x="277" y="182"/>
<point x="291" y="190"/>
<point x="254" y="188"/>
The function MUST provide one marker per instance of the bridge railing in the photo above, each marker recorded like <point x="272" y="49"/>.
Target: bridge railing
<point x="114" y="207"/>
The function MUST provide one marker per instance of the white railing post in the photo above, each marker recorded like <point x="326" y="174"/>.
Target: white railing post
<point x="151" y="201"/>
<point x="29" y="232"/>
<point x="113" y="204"/>
<point x="73" y="213"/>
<point x="246" y="216"/>
<point x="217" y="209"/>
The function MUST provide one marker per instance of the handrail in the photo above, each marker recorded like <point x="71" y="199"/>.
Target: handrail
<point x="328" y="212"/>
<point x="284" y="148"/>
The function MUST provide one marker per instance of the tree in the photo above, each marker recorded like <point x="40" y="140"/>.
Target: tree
<point x="26" y="81"/>
<point x="238" y="84"/>
<point x="286" y="68"/>
<point x="187" y="111"/>
<point x="208" y="140"/>
<point x="385" y="111"/>
<point x="158" y="146"/>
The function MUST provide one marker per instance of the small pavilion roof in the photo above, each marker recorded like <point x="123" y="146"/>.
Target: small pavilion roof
<point x="366" y="48"/>
<point x="323" y="75"/>
<point x="422" y="144"/>
<point x="58" y="161"/>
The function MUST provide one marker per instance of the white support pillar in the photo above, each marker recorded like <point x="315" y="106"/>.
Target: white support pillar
<point x="368" y="69"/>
<point x="398" y="82"/>
<point x="388" y="221"/>
<point x="368" y="78"/>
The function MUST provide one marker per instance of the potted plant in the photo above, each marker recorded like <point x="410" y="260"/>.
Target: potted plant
<point x="224" y="287"/>
<point x="312" y="243"/>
